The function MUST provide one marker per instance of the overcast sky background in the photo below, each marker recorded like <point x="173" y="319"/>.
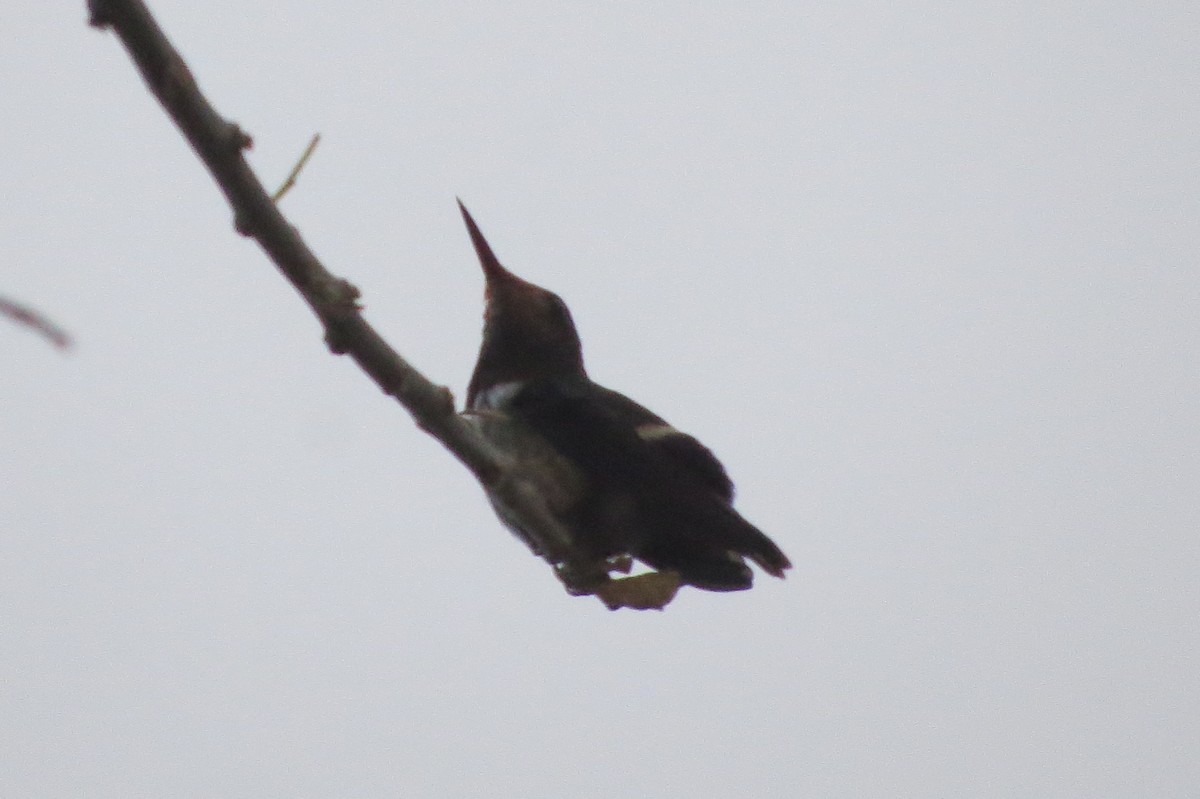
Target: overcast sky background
<point x="922" y="274"/>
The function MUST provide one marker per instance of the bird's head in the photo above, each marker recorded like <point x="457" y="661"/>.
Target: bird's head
<point x="528" y="332"/>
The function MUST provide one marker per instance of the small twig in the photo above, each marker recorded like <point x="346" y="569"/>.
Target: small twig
<point x="25" y="315"/>
<point x="291" y="178"/>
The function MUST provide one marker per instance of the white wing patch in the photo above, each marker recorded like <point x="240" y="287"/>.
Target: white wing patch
<point x="656" y="431"/>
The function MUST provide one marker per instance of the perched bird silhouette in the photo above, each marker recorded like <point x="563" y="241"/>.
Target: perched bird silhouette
<point x="638" y="486"/>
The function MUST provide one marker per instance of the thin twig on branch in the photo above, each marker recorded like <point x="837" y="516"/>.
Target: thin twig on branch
<point x="219" y="144"/>
<point x="23" y="314"/>
<point x="295" y="173"/>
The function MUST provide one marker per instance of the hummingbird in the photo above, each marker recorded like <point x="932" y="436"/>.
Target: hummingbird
<point x="632" y="485"/>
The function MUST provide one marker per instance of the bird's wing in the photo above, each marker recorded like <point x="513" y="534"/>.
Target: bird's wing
<point x="676" y="446"/>
<point x="686" y="520"/>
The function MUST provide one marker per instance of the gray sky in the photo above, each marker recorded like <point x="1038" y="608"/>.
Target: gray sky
<point x="923" y="275"/>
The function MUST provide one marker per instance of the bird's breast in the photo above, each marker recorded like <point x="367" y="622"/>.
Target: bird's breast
<point x="497" y="396"/>
<point x="530" y="459"/>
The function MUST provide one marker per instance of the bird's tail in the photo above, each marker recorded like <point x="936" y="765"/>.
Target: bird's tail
<point x="762" y="550"/>
<point x="708" y="549"/>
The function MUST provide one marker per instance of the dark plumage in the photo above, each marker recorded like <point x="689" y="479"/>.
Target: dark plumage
<point x="645" y="489"/>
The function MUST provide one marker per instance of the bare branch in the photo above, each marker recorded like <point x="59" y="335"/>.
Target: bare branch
<point x="219" y="144"/>
<point x="25" y="315"/>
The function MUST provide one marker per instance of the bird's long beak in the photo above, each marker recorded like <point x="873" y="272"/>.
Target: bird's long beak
<point x="492" y="268"/>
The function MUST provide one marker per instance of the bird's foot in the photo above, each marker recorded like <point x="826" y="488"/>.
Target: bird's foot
<point x="649" y="591"/>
